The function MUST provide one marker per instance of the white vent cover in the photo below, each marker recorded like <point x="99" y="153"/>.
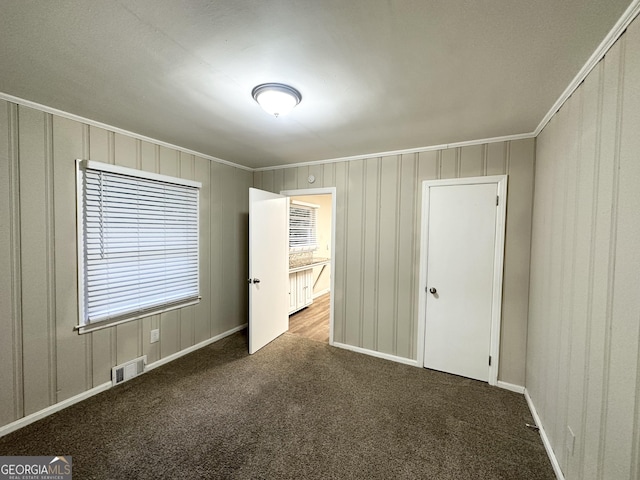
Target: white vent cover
<point x="126" y="371"/>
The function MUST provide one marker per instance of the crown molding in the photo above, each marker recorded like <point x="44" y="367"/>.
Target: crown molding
<point x="614" y="34"/>
<point x="94" y="123"/>
<point x="431" y="148"/>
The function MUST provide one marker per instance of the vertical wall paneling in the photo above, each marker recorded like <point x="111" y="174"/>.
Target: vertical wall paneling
<point x="406" y="240"/>
<point x="216" y="246"/>
<point x="583" y="372"/>
<point x="625" y="304"/>
<point x="428" y="167"/>
<point x="290" y="179"/>
<point x="342" y="196"/>
<point x="516" y="271"/>
<point x="606" y="251"/>
<point x="43" y="360"/>
<point x="472" y="161"/>
<point x="302" y="176"/>
<point x="353" y="253"/>
<point x="267" y="181"/>
<point x="388" y="256"/>
<point x="582" y="312"/>
<point x="35" y="309"/>
<point x="378" y="249"/>
<point x="496" y="160"/>
<point x="369" y="253"/>
<point x="10" y="311"/>
<point x="329" y="175"/>
<point x="73" y="370"/>
<point x="50" y="255"/>
<point x="244" y="180"/>
<point x="202" y="315"/>
<point x="229" y="245"/>
<point x="448" y="163"/>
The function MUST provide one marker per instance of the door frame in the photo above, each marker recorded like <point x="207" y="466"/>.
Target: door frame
<point x="324" y="191"/>
<point x="498" y="265"/>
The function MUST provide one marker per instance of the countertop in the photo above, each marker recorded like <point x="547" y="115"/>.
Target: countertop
<point x="297" y="264"/>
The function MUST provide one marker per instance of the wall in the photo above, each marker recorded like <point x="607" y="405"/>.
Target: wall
<point x="378" y="235"/>
<point x="584" y="316"/>
<point x="42" y="360"/>
<point x="321" y="276"/>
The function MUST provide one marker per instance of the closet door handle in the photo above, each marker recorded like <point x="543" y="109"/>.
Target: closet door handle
<point x="433" y="290"/>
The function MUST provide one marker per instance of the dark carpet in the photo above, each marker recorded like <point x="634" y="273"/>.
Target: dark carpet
<point x="296" y="409"/>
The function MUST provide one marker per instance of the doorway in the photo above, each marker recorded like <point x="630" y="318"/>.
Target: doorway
<point x="463" y="225"/>
<point x="311" y="269"/>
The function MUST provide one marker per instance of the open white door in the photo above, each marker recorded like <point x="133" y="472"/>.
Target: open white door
<point x="268" y="268"/>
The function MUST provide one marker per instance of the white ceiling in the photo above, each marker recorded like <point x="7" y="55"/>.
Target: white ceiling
<point x="375" y="75"/>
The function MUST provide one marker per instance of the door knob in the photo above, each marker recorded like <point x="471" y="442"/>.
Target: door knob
<point x="433" y="290"/>
<point x="255" y="280"/>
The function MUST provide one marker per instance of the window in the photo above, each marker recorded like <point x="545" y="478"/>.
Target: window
<point x="137" y="244"/>
<point x="302" y="226"/>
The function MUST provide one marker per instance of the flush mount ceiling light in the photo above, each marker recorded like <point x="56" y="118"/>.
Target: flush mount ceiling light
<point x="276" y="98"/>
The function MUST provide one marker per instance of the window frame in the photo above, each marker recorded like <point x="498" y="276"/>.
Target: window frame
<point x="84" y="325"/>
<point x="312" y="208"/>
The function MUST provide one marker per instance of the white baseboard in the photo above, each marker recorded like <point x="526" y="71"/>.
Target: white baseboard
<point x="373" y="353"/>
<point x="45" y="412"/>
<point x="511" y="387"/>
<point x="320" y="293"/>
<point x="193" y="348"/>
<point x="545" y="440"/>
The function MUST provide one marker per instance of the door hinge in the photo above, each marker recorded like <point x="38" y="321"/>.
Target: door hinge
<point x="497" y="200"/>
<point x="489" y="360"/>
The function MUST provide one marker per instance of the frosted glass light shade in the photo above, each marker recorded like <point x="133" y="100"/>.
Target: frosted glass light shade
<point x="275" y="98"/>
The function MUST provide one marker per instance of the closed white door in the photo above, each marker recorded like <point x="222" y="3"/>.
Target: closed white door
<point x="268" y="267"/>
<point x="460" y="278"/>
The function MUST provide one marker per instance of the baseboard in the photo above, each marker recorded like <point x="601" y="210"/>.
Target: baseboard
<point x="45" y="412"/>
<point x="186" y="351"/>
<point x="545" y="440"/>
<point x="373" y="353"/>
<point x="320" y="293"/>
<point x="511" y="387"/>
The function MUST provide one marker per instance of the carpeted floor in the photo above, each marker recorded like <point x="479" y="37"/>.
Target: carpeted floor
<point x="297" y="409"/>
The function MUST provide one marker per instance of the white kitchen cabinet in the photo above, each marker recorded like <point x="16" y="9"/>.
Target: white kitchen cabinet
<point x="300" y="289"/>
<point x="293" y="293"/>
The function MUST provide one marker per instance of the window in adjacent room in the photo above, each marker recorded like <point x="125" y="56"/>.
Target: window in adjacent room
<point x="302" y="226"/>
<point x="137" y="244"/>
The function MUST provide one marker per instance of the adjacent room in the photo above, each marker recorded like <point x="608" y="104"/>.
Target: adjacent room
<point x="295" y="239"/>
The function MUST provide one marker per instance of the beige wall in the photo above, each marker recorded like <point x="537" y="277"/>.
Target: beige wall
<point x="584" y="316"/>
<point x="321" y="276"/>
<point x="42" y="360"/>
<point x="378" y="235"/>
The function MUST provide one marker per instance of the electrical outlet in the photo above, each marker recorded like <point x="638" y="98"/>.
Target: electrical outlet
<point x="571" y="441"/>
<point x="155" y="335"/>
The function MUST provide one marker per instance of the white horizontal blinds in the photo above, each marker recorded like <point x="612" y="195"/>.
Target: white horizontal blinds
<point x="302" y="227"/>
<point x="140" y="245"/>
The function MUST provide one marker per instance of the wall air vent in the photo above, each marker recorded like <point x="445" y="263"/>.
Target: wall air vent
<point x="126" y="371"/>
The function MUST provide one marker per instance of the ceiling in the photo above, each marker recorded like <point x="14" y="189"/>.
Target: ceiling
<point x="375" y="75"/>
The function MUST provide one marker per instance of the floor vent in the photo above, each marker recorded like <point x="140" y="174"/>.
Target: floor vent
<point x="126" y="371"/>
